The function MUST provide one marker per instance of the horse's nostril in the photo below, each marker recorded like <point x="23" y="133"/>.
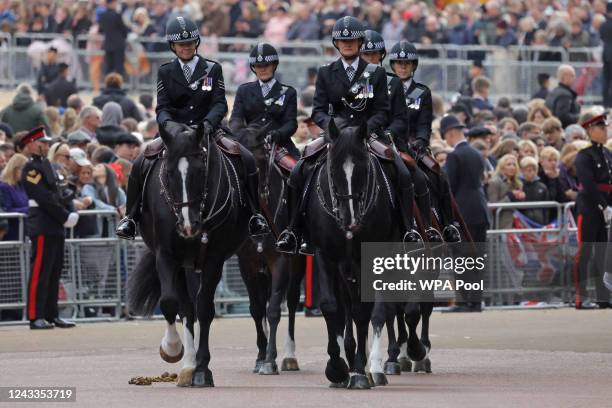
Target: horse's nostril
<point x="188" y="231"/>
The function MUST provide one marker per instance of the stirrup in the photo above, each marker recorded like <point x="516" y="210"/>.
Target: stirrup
<point x="261" y="229"/>
<point x="412" y="237"/>
<point x="125" y="223"/>
<point x="288" y="236"/>
<point x="433" y="235"/>
<point x="451" y="233"/>
<point x="305" y="249"/>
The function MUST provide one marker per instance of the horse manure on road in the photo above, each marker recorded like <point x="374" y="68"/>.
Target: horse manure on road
<point x="165" y="377"/>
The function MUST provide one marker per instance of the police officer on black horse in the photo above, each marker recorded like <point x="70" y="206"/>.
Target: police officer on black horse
<point x="49" y="214"/>
<point x="594" y="204"/>
<point x="190" y="91"/>
<point x="265" y="103"/>
<point x="355" y="91"/>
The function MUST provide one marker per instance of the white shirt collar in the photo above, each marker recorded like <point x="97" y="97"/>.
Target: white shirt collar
<point x="354" y="64"/>
<point x="191" y="64"/>
<point x="407" y="83"/>
<point x="270" y="83"/>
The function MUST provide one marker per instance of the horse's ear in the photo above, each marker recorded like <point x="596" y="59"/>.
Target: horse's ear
<point x="332" y="130"/>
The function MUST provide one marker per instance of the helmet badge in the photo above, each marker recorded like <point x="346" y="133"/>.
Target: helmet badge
<point x="345" y="32"/>
<point x="402" y="54"/>
<point x="185" y="34"/>
<point x="370" y="45"/>
<point x="259" y="58"/>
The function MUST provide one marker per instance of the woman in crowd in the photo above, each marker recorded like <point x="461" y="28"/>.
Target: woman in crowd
<point x="527" y="148"/>
<point x="549" y="174"/>
<point x="538" y="115"/>
<point x="70" y="122"/>
<point x="505" y="186"/>
<point x="55" y="126"/>
<point x="508" y="126"/>
<point x="508" y="146"/>
<point x="12" y="195"/>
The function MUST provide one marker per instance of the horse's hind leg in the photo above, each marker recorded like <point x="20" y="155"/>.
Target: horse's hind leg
<point x="376" y="364"/>
<point x="392" y="366"/>
<point x="171" y="348"/>
<point x="425" y="364"/>
<point x="296" y="275"/>
<point x="402" y="343"/>
<point x="279" y="278"/>
<point x="257" y="287"/>
<point x="416" y="349"/>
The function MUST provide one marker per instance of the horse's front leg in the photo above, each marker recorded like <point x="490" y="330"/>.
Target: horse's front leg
<point x="296" y="275"/>
<point x="376" y="365"/>
<point x="171" y="348"/>
<point x="361" y="313"/>
<point x="191" y="328"/>
<point x="424" y="365"/>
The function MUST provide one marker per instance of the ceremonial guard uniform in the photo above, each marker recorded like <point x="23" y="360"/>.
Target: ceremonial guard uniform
<point x="48" y="215"/>
<point x="415" y="142"/>
<point x="594" y="205"/>
<point x="269" y="105"/>
<point x="189" y="93"/>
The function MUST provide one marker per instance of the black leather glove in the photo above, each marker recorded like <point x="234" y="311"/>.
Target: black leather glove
<point x="173" y="128"/>
<point x="274" y="136"/>
<point x="208" y="128"/>
<point x="419" y="146"/>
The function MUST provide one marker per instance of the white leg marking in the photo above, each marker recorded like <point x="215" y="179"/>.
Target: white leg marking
<point x="264" y="324"/>
<point x="340" y="341"/>
<point x="289" y="347"/>
<point x="196" y="335"/>
<point x="171" y="343"/>
<point x="376" y="363"/>
<point x="183" y="165"/>
<point x="189" y="358"/>
<point x="403" y="350"/>
<point x="348" y="167"/>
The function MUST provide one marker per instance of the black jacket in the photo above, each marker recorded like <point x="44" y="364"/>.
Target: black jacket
<point x="398" y="117"/>
<point x="420" y="112"/>
<point x="279" y="108"/>
<point x="536" y="191"/>
<point x="542" y="93"/>
<point x="562" y="103"/>
<point x="190" y="103"/>
<point x="605" y="33"/>
<point x="58" y="91"/>
<point x="593" y="168"/>
<point x="333" y="84"/>
<point x="47" y="211"/>
<point x="46" y="75"/>
<point x="107" y="135"/>
<point x="114" y="30"/>
<point x="128" y="107"/>
<point x="465" y="170"/>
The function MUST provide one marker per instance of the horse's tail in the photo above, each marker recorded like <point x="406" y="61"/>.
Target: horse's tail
<point x="144" y="288"/>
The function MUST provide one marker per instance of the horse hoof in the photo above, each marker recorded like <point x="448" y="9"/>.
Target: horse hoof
<point x="268" y="369"/>
<point x="405" y="364"/>
<point x="290" y="364"/>
<point x="392" y="368"/>
<point x="171" y="359"/>
<point x="184" y="378"/>
<point x="258" y="364"/>
<point x="342" y="384"/>
<point x="423" y="366"/>
<point x="202" y="379"/>
<point x="359" y="382"/>
<point x="379" y="379"/>
<point x="336" y="371"/>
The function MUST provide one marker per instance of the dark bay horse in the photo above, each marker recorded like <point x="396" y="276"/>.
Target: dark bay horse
<point x="194" y="218"/>
<point x="350" y="201"/>
<point x="269" y="275"/>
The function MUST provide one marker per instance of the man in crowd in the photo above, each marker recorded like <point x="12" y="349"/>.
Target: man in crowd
<point x="476" y="70"/>
<point x="47" y="219"/>
<point x="562" y="100"/>
<point x="58" y="91"/>
<point x="48" y="71"/>
<point x="127" y="147"/>
<point x="481" y="86"/>
<point x="114" y="92"/>
<point x="91" y="119"/>
<point x="115" y="32"/>
<point x="24" y="113"/>
<point x="605" y="32"/>
<point x="465" y="169"/>
<point x="544" y="83"/>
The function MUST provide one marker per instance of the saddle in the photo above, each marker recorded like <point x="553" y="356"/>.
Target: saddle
<point x="426" y="160"/>
<point x="380" y="150"/>
<point x="314" y="148"/>
<point x="227" y="145"/>
<point x="284" y="160"/>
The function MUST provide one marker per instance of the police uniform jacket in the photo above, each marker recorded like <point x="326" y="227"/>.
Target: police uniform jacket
<point x="203" y="98"/>
<point x="594" y="171"/>
<point x="333" y="84"/>
<point x="420" y="111"/>
<point x="47" y="211"/>
<point x="278" y="108"/>
<point x="398" y="117"/>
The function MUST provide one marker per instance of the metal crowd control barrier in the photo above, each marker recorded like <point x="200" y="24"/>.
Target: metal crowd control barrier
<point x="444" y="67"/>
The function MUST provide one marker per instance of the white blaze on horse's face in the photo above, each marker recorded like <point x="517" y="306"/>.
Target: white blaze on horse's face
<point x="348" y="168"/>
<point x="183" y="165"/>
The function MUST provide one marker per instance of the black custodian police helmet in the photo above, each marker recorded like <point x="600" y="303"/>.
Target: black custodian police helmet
<point x="181" y="29"/>
<point x="263" y="53"/>
<point x="404" y="51"/>
<point x="347" y="28"/>
<point x="374" y="42"/>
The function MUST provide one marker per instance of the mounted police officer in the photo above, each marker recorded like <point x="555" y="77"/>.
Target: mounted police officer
<point x="594" y="205"/>
<point x="48" y="216"/>
<point x="265" y="104"/>
<point x="190" y="91"/>
<point x="355" y="91"/>
<point x="404" y="62"/>
<point x="374" y="52"/>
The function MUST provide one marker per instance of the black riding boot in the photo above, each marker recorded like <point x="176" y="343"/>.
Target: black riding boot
<point x="126" y="229"/>
<point x="257" y="224"/>
<point x="288" y="239"/>
<point x="405" y="202"/>
<point x="451" y="230"/>
<point x="424" y="204"/>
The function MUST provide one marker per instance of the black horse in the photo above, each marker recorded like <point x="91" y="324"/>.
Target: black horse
<point x="267" y="274"/>
<point x="350" y="201"/>
<point x="194" y="218"/>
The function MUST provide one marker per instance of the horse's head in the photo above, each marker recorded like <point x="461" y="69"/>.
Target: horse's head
<point x="349" y="168"/>
<point x="185" y="167"/>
